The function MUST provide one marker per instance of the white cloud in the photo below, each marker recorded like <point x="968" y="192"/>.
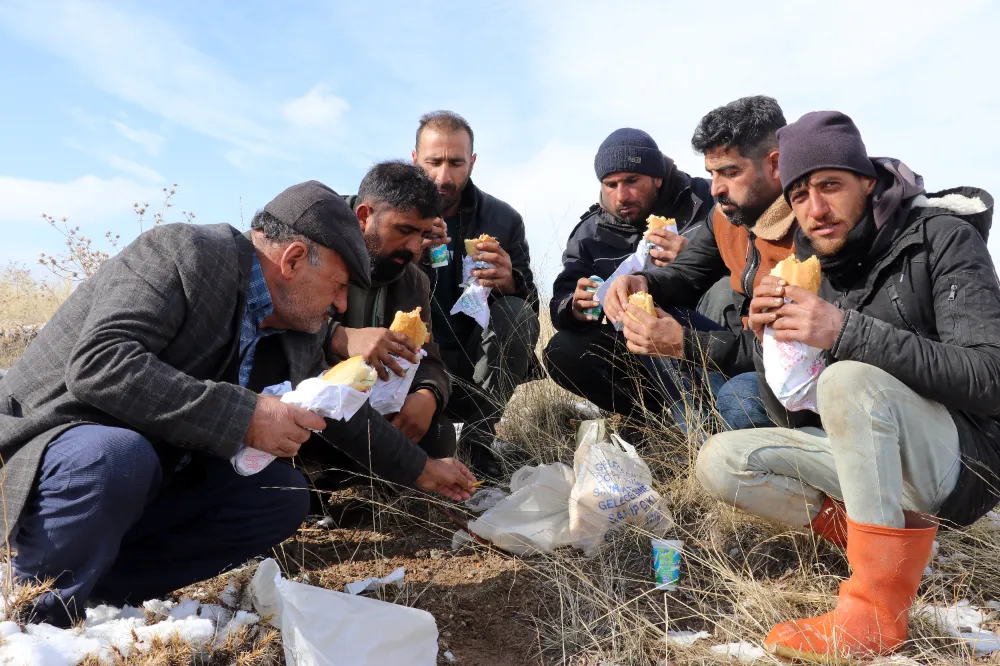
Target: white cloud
<point x="148" y="141"/>
<point x="84" y="199"/>
<point x="139" y="171"/>
<point x="317" y="109"/>
<point x="143" y="60"/>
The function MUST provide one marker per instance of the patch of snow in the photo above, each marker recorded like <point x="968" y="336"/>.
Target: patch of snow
<point x="964" y="621"/>
<point x="359" y="586"/>
<point x="686" y="637"/>
<point x="588" y="409"/>
<point x="745" y="652"/>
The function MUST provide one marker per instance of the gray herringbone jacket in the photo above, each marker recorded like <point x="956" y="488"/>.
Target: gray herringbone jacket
<point x="151" y="343"/>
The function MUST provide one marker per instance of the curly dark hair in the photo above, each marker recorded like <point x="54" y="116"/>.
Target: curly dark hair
<point x="401" y="186"/>
<point x="750" y="124"/>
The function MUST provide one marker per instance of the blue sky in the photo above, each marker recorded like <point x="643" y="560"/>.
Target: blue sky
<point x="105" y="103"/>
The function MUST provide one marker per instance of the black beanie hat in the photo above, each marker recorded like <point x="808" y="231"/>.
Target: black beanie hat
<point x="632" y="151"/>
<point x="821" y="140"/>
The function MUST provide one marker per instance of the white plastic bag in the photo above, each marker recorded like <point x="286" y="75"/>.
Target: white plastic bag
<point x="326" y="628"/>
<point x="474" y="302"/>
<point x="636" y="262"/>
<point x="792" y="370"/>
<point x="328" y="400"/>
<point x="388" y="395"/>
<point x="468" y="265"/>
<point x="612" y="489"/>
<point x="535" y="517"/>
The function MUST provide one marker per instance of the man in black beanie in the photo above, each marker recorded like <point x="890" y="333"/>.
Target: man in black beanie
<point x="906" y="432"/>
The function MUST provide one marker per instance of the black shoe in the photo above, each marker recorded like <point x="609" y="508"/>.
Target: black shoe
<point x="484" y="464"/>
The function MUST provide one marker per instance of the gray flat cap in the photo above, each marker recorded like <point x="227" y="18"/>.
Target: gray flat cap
<point x="321" y="215"/>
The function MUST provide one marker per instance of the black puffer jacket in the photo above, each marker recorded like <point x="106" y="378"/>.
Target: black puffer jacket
<point x="599" y="243"/>
<point x="928" y="312"/>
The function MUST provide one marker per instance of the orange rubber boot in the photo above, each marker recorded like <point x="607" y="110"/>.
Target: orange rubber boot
<point x="831" y="523"/>
<point x="873" y="608"/>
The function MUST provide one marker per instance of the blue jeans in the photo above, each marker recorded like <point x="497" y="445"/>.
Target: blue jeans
<point x="736" y="399"/>
<point x="102" y="524"/>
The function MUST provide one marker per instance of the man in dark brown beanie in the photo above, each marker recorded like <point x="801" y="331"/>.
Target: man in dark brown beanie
<point x="118" y="424"/>
<point x="905" y="432"/>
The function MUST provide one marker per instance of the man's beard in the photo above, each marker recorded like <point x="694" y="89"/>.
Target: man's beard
<point x="745" y="215"/>
<point x="451" y="194"/>
<point x="384" y="269"/>
<point x="295" y="314"/>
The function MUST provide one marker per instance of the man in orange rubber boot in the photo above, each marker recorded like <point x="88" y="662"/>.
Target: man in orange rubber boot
<point x="906" y="433"/>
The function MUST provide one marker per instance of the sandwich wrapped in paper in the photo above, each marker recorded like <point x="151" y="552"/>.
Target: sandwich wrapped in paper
<point x="474" y="301"/>
<point x="388" y="395"/>
<point x="792" y="369"/>
<point x="639" y="260"/>
<point x="337" y="394"/>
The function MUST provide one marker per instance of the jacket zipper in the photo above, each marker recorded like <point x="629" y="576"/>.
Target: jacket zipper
<point x="749" y="270"/>
<point x="898" y="305"/>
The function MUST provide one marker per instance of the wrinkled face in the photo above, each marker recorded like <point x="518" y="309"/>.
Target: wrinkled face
<point x="743" y="188"/>
<point x="828" y="204"/>
<point x="447" y="159"/>
<point x="392" y="237"/>
<point x="305" y="296"/>
<point x="629" y="196"/>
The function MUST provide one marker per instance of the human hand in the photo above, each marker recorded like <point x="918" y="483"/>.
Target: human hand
<point x="414" y="418"/>
<point x="583" y="299"/>
<point x="669" y="245"/>
<point x="448" y="477"/>
<point x="616" y="298"/>
<point x="377" y="346"/>
<point x="768" y="296"/>
<point x="653" y="336"/>
<point x="808" y="319"/>
<point x="279" y="428"/>
<point x="438" y="235"/>
<point x="501" y="277"/>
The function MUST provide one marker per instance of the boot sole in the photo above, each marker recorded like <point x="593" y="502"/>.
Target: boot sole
<point x="808" y="657"/>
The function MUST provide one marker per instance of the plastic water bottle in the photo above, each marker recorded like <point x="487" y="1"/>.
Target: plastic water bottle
<point x="596" y="310"/>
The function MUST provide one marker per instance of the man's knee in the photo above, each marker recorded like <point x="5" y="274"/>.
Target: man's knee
<point x="716" y="469"/>
<point x="117" y="467"/>
<point x="513" y="320"/>
<point x="846" y="387"/>
<point x="562" y="355"/>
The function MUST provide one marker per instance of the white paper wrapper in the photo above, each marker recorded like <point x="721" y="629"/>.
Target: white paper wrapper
<point x="474" y="302"/>
<point x="387" y="396"/>
<point x="339" y="403"/>
<point x="792" y="370"/>
<point x="469" y="265"/>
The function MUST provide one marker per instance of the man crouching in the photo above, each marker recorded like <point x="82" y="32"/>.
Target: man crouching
<point x="907" y="432"/>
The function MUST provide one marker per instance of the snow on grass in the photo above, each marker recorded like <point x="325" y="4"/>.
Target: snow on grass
<point x="744" y="652"/>
<point x="964" y="621"/>
<point x="108" y="631"/>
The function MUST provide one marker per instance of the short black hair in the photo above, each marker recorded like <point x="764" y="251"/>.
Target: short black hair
<point x="750" y="124"/>
<point x="401" y="186"/>
<point x="278" y="232"/>
<point x="448" y="120"/>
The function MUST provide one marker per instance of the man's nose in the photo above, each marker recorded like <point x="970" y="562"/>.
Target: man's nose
<point x="818" y="207"/>
<point x="718" y="188"/>
<point x="340" y="300"/>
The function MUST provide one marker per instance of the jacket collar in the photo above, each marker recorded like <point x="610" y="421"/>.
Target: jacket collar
<point x="775" y="222"/>
<point x="470" y="199"/>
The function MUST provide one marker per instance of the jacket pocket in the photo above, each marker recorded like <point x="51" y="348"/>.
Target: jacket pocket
<point x="974" y="309"/>
<point x="897" y="304"/>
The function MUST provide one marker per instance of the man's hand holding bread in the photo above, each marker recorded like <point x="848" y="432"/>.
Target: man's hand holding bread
<point x="808" y="318"/>
<point x="501" y="276"/>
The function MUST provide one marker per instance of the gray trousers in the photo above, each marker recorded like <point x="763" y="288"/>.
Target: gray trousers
<point x="885" y="449"/>
<point x="490" y="366"/>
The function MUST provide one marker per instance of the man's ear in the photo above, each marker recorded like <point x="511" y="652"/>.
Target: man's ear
<point x="869" y="185"/>
<point x="363" y="211"/>
<point x="657" y="184"/>
<point x="771" y="166"/>
<point x="413" y="154"/>
<point x="294" y="259"/>
<point x="472" y="163"/>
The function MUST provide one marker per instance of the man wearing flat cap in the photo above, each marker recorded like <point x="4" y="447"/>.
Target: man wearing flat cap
<point x="118" y="423"/>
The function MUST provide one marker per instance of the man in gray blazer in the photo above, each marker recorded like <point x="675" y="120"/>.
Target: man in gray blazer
<point x="118" y="423"/>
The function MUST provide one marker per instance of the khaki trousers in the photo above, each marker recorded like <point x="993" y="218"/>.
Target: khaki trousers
<point x="884" y="450"/>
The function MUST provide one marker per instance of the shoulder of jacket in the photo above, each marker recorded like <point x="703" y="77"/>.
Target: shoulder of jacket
<point x="497" y="208"/>
<point x="416" y="275"/>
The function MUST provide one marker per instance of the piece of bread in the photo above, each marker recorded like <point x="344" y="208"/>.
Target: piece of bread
<point x="643" y="301"/>
<point x="805" y="274"/>
<point x="660" y="222"/>
<point x="470" y="245"/>
<point x="411" y="325"/>
<point x="353" y="372"/>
